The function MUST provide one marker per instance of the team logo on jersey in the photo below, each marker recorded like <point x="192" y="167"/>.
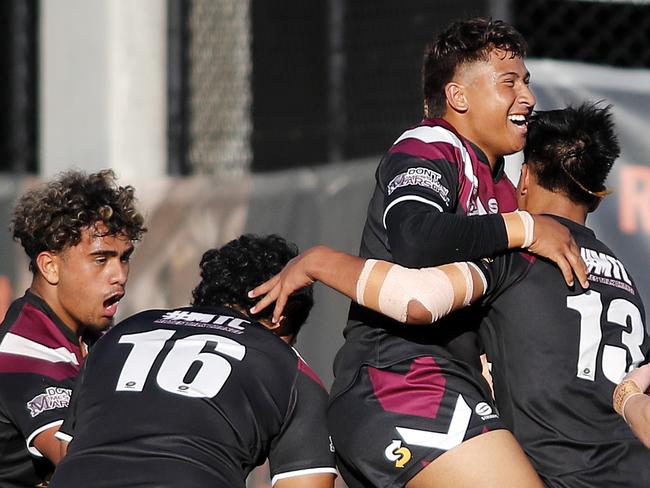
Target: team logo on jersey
<point x="493" y="205"/>
<point x="206" y="320"/>
<point x="424" y="177"/>
<point x="397" y="453"/>
<point x="606" y="269"/>
<point x="53" y="397"/>
<point x="331" y="445"/>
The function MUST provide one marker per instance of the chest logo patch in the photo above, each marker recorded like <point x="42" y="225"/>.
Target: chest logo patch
<point x="53" y="397"/>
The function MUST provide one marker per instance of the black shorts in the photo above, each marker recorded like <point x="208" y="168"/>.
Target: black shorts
<point x="392" y="422"/>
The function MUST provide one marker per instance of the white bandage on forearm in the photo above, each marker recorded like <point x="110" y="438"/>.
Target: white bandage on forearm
<point x="390" y="288"/>
<point x="362" y="282"/>
<point x="469" y="284"/>
<point x="520" y="228"/>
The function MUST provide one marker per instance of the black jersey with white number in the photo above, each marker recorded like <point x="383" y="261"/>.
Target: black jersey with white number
<point x="193" y="397"/>
<point x="39" y="360"/>
<point x="430" y="170"/>
<point x="557" y="353"/>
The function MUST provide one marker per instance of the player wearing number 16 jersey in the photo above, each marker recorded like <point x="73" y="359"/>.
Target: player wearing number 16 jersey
<point x="199" y="396"/>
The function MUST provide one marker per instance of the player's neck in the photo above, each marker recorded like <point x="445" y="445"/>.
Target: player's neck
<point x="467" y="131"/>
<point x="547" y="202"/>
<point x="46" y="292"/>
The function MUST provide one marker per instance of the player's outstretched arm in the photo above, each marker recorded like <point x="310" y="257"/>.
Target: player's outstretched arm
<point x="310" y="481"/>
<point x="631" y="401"/>
<point x="414" y="296"/>
<point x="333" y="268"/>
<point x="548" y="238"/>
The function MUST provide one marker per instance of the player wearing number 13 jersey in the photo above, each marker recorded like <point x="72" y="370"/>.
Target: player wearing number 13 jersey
<point x="557" y="351"/>
<point x="201" y="395"/>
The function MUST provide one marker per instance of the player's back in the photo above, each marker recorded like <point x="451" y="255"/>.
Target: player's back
<point x="190" y="397"/>
<point x="557" y="355"/>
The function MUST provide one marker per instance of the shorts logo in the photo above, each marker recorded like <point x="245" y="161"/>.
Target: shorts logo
<point x="424" y="177"/>
<point x="398" y="454"/>
<point x="485" y="411"/>
<point x="493" y="205"/>
<point x="54" y="397"/>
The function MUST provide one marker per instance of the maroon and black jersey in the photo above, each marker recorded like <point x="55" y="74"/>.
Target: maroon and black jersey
<point x="436" y="201"/>
<point x="193" y="397"/>
<point x="39" y="360"/>
<point x="557" y="354"/>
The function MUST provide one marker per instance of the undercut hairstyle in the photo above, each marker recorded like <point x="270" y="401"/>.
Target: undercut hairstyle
<point x="53" y="217"/>
<point x="230" y="272"/>
<point x="573" y="150"/>
<point x="463" y="42"/>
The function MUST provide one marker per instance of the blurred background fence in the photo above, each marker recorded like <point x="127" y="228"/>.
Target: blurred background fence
<point x="234" y="116"/>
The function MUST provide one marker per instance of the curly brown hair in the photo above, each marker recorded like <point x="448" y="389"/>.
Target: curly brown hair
<point x="52" y="217"/>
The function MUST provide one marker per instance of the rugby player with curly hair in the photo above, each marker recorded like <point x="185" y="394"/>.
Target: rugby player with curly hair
<point x="198" y="396"/>
<point x="78" y="232"/>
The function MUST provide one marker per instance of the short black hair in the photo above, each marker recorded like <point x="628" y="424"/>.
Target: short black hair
<point x="52" y="217"/>
<point x="464" y="41"/>
<point x="228" y="273"/>
<point x="573" y="150"/>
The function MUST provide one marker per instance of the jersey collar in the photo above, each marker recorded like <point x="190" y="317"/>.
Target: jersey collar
<point x="499" y="167"/>
<point x="575" y="226"/>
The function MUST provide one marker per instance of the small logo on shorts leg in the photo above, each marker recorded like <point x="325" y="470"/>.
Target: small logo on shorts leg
<point x="398" y="454"/>
<point x="485" y="411"/>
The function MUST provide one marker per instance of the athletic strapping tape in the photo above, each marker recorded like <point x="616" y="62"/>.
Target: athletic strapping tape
<point x="520" y="227"/>
<point x="389" y="288"/>
<point x="622" y="393"/>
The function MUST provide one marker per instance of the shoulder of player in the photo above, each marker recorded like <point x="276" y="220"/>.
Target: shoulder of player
<point x="205" y="320"/>
<point x="432" y="142"/>
<point x="31" y="331"/>
<point x="304" y="369"/>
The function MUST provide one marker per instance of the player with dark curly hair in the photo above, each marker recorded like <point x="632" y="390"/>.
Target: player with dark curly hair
<point x="252" y="257"/>
<point x="198" y="396"/>
<point x="78" y="232"/>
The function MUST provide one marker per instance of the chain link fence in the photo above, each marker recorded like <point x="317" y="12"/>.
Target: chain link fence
<point x="274" y="85"/>
<point x="611" y="33"/>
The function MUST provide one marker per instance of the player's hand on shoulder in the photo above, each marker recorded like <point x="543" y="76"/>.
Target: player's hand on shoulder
<point x="553" y="241"/>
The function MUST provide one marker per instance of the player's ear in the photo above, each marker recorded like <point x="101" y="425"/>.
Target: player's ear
<point x="456" y="97"/>
<point x="524" y="180"/>
<point x="47" y="265"/>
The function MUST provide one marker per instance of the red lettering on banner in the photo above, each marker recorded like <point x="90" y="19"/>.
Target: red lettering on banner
<point x="634" y="197"/>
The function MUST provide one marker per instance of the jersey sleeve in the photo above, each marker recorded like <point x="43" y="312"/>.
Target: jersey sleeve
<point x="304" y="446"/>
<point x="420" y="210"/>
<point x="409" y="178"/>
<point x="36" y="403"/>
